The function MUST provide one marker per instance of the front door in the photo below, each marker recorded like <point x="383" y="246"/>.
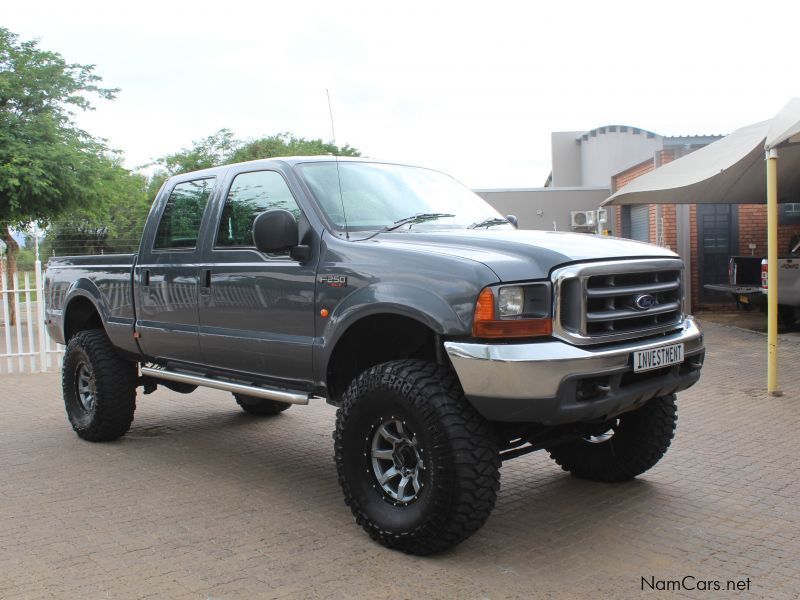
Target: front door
<point x="168" y="275"/>
<point x="256" y="310"/>
<point x="718" y="240"/>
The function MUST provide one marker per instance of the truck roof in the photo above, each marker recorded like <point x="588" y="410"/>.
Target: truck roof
<point x="290" y="161"/>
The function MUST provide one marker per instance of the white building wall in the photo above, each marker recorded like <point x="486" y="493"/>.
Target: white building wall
<point x="606" y="154"/>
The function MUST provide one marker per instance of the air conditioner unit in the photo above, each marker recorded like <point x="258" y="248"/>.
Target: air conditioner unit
<point x="581" y="219"/>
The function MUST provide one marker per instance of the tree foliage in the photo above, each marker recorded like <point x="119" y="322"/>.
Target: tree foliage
<point x="222" y="148"/>
<point x="48" y="165"/>
<point x="286" y="144"/>
<point x="112" y="222"/>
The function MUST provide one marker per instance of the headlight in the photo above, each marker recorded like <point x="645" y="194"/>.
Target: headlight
<point x="513" y="311"/>
<point x="510" y="301"/>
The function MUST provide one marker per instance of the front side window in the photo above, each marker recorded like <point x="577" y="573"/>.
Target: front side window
<point x="183" y="214"/>
<point x="250" y="195"/>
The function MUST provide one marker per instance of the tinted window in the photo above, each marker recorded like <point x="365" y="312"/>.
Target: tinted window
<point x="250" y="195"/>
<point x="183" y="213"/>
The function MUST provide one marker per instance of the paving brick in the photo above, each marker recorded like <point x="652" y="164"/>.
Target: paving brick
<point x="202" y="501"/>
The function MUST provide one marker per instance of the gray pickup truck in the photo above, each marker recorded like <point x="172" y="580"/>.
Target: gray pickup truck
<point x="449" y="340"/>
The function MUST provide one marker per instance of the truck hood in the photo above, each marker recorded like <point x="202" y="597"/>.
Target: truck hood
<point x="519" y="255"/>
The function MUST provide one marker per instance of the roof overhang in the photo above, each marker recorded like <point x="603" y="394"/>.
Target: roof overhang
<point x="730" y="170"/>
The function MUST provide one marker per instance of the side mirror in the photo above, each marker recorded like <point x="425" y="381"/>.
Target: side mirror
<point x="275" y="231"/>
<point x="512" y="219"/>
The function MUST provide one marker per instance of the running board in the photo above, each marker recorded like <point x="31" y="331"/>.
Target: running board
<point x="236" y="388"/>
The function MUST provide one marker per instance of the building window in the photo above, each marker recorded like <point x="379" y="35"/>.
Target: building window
<point x="789" y="214"/>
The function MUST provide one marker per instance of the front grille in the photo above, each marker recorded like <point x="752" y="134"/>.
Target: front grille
<point x="603" y="302"/>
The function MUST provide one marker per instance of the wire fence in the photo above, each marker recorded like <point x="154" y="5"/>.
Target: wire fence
<point x="65" y="246"/>
<point x="24" y="343"/>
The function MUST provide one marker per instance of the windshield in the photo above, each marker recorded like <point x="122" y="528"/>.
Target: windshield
<point x="377" y="196"/>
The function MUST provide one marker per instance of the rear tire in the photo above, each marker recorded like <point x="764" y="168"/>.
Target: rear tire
<point x="260" y="407"/>
<point x="637" y="441"/>
<point x="408" y="421"/>
<point x="787" y="315"/>
<point x="99" y="387"/>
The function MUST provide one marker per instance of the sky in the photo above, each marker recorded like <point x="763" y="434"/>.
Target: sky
<point x="472" y="89"/>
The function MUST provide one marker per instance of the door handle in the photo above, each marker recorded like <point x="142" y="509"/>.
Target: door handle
<point x="145" y="278"/>
<point x="205" y="284"/>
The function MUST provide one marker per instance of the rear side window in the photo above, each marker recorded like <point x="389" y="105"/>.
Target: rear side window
<point x="183" y="213"/>
<point x="250" y="195"/>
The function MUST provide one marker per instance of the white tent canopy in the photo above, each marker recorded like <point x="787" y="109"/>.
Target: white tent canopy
<point x="733" y="171"/>
<point x="728" y="171"/>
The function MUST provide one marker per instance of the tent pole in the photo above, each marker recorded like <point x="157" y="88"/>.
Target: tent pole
<point x="772" y="272"/>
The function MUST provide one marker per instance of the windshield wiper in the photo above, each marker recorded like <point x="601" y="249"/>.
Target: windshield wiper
<point x="491" y="221"/>
<point x="413" y="219"/>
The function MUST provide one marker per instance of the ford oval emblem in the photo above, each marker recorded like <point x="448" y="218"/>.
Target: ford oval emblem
<point x="644" y="301"/>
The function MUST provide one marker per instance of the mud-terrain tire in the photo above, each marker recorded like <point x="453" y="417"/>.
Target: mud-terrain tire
<point x="640" y="438"/>
<point x="99" y="387"/>
<point x="448" y="446"/>
<point x="261" y="407"/>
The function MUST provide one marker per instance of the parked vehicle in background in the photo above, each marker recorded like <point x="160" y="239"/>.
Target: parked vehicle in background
<point x="788" y="282"/>
<point x="747" y="282"/>
<point x="448" y="339"/>
<point x="744" y="281"/>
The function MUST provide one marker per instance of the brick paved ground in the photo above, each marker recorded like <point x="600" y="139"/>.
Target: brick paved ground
<point x="200" y="501"/>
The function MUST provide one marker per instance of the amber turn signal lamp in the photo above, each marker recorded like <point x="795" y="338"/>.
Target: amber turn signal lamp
<point x="484" y="310"/>
<point x="485" y="325"/>
<point x="512" y="328"/>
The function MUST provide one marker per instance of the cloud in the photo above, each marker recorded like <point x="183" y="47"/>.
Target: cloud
<point x="473" y="89"/>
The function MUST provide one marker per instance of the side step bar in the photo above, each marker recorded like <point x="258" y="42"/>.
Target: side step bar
<point x="237" y="388"/>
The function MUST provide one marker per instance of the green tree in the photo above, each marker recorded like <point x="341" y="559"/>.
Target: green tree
<point x="112" y="222"/>
<point x="47" y="164"/>
<point x="286" y="144"/>
<point x="222" y="148"/>
<point x="211" y="151"/>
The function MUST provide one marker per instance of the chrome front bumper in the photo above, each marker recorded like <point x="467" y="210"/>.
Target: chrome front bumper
<point x="541" y="381"/>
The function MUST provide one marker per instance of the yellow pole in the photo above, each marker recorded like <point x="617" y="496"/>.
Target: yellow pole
<point x="772" y="273"/>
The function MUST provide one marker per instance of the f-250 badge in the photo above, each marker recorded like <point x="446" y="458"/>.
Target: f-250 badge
<point x="337" y="281"/>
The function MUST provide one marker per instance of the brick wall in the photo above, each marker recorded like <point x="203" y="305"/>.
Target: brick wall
<point x="624" y="178"/>
<point x="753" y="230"/>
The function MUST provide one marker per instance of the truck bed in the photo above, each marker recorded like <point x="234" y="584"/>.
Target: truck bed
<point x="106" y="279"/>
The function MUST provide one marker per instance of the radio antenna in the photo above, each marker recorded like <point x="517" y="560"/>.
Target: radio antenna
<point x="338" y="174"/>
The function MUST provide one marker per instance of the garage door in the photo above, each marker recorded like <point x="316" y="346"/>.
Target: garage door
<point x="640" y="222"/>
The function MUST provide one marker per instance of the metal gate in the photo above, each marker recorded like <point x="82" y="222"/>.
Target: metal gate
<point x="640" y="222"/>
<point x="25" y="345"/>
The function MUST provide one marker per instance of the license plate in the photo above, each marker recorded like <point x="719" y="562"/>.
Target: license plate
<point x="744" y="299"/>
<point x="655" y="358"/>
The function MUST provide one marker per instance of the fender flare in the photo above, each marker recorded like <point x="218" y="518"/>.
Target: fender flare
<point x="413" y="302"/>
<point x="83" y="288"/>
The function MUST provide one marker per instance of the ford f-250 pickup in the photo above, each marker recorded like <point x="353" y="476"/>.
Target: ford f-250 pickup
<point x="448" y="339"/>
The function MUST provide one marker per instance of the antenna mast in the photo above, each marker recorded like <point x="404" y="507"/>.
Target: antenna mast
<point x="338" y="174"/>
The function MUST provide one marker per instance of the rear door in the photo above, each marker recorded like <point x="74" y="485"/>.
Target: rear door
<point x="168" y="274"/>
<point x="257" y="310"/>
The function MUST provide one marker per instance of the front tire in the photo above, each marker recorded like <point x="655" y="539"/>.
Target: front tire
<point x="623" y="448"/>
<point x="419" y="467"/>
<point x="99" y="387"/>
